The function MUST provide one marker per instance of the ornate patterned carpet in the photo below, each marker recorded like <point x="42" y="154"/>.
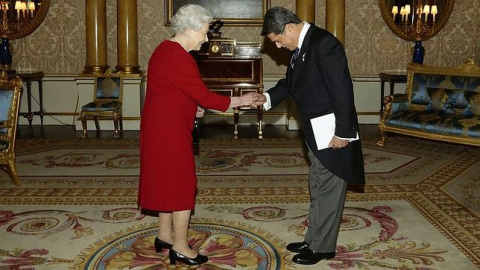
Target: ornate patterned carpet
<point x="77" y="207"/>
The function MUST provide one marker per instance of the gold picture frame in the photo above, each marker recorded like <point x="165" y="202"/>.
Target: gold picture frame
<point x="231" y="12"/>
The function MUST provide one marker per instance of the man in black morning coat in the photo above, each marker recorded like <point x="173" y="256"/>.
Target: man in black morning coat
<point x="319" y="81"/>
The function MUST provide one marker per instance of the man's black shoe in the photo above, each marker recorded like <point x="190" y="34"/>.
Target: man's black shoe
<point x="311" y="257"/>
<point x="298" y="247"/>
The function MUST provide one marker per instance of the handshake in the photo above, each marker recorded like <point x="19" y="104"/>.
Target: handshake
<point x="252" y="99"/>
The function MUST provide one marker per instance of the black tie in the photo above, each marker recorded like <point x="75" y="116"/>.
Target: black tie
<point x="294" y="57"/>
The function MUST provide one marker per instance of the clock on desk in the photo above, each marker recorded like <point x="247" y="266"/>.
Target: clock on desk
<point x="214" y="49"/>
<point x="220" y="47"/>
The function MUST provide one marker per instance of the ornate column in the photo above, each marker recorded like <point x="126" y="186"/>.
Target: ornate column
<point x="335" y="18"/>
<point x="305" y="10"/>
<point x="127" y="37"/>
<point x="96" y="36"/>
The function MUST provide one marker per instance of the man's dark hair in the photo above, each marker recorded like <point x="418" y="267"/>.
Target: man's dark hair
<point x="275" y="20"/>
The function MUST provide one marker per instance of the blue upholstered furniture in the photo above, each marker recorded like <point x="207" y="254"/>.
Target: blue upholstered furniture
<point x="9" y="104"/>
<point x="440" y="103"/>
<point x="107" y="102"/>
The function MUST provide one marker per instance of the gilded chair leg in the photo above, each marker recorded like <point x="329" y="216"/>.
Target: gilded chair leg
<point x="12" y="171"/>
<point x="382" y="136"/>
<point x="84" y="125"/>
<point x="116" y="134"/>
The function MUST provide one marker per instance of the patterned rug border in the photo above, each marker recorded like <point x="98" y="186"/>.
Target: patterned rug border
<point x="451" y="229"/>
<point x="441" y="220"/>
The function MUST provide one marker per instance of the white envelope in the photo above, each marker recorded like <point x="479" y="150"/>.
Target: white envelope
<point x="324" y="130"/>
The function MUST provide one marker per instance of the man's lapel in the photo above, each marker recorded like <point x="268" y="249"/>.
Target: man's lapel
<point x="298" y="66"/>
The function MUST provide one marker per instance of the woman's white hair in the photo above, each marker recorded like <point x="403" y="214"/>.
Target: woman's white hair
<point x="190" y="17"/>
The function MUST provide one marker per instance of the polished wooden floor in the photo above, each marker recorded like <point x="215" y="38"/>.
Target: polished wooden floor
<point x="206" y="132"/>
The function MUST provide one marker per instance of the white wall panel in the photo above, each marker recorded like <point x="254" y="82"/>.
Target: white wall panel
<point x="64" y="95"/>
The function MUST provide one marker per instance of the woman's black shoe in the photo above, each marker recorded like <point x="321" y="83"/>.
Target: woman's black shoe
<point x="175" y="256"/>
<point x="160" y="245"/>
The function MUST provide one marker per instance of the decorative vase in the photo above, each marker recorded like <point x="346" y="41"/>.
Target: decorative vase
<point x="418" y="53"/>
<point x="5" y="54"/>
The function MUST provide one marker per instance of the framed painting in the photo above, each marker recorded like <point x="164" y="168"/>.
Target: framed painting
<point x="231" y="12"/>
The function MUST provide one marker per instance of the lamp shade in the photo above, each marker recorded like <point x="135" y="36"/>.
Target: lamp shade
<point x="426" y="9"/>
<point x="395" y="10"/>
<point x="18" y="5"/>
<point x="31" y="5"/>
<point x="407" y="9"/>
<point x="434" y="10"/>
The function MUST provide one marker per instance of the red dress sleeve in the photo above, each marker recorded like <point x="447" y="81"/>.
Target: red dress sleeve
<point x="187" y="79"/>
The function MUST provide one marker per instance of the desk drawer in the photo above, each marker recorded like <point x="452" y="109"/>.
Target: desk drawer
<point x="224" y="91"/>
<point x="242" y="91"/>
<point x="223" y="71"/>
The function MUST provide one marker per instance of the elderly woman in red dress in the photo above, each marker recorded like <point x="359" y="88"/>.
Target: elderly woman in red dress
<point x="175" y="95"/>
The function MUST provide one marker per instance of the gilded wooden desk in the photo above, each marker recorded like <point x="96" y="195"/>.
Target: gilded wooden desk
<point x="234" y="76"/>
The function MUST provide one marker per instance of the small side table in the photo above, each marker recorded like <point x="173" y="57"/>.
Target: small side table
<point x="391" y="76"/>
<point x="28" y="78"/>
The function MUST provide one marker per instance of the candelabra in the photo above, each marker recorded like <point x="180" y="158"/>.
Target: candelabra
<point x="5" y="49"/>
<point x="418" y="25"/>
<point x="15" y="16"/>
